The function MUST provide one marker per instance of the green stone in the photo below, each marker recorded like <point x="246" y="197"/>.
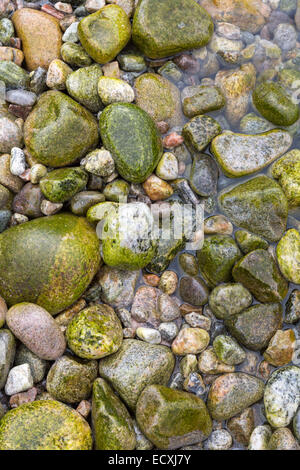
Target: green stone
<point x="288" y="255"/>
<point x="105" y="33"/>
<point x="44" y="425"/>
<point x="199" y="132"/>
<point x="159" y="98"/>
<point x="100" y="211"/>
<point x="112" y="424"/>
<point x="132" y="62"/>
<point x="249" y="242"/>
<point x="126" y="237"/>
<point x="188" y="264"/>
<point x="82" y="85"/>
<point x="60" y="185"/>
<point x="244" y="326"/>
<point x="171" y="418"/>
<point x="95" y="332"/>
<point x="13" y="76"/>
<point x="131" y="136"/>
<point x="240" y="155"/>
<point x="74" y="54"/>
<point x="258" y="205"/>
<point x="258" y="272"/>
<point x="64" y="257"/>
<point x="70" y="379"/>
<point x="7" y="354"/>
<point x="81" y="202"/>
<point x="273" y="102"/>
<point x="58" y="131"/>
<point x="217" y="257"/>
<point x="252" y="124"/>
<point x="136" y="365"/>
<point x="7" y="31"/>
<point x="287" y="77"/>
<point x="205" y="100"/>
<point x="162" y="29"/>
<point x="228" y="350"/>
<point x="6" y="198"/>
<point x="229" y="299"/>
<point x="287" y="171"/>
<point x="117" y="191"/>
<point x="170" y="71"/>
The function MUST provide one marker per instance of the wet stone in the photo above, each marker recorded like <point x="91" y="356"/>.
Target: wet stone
<point x="200" y="131"/>
<point x="229" y="299"/>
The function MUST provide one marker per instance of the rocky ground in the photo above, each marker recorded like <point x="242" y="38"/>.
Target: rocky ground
<point x="112" y="338"/>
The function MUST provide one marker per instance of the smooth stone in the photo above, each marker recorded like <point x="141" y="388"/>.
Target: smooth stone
<point x="157" y="189"/>
<point x="5" y="216"/>
<point x="95" y="332"/>
<point x="240" y="155"/>
<point x="199" y="132"/>
<point x="28" y="201"/>
<point x="112" y="424"/>
<point x="117" y="286"/>
<point x="282" y="397"/>
<point x="193" y="290"/>
<point x="188" y="264"/>
<point x="37" y="365"/>
<point x="100" y="211"/>
<point x="37" y="330"/>
<point x="292" y="309"/>
<point x="243" y="326"/>
<point x="260" y="438"/>
<point x="3" y="311"/>
<point x="232" y="393"/>
<point x="190" y="341"/>
<point x="57" y="74"/>
<point x="75" y="55"/>
<point x="150" y="335"/>
<point x="167" y="168"/>
<point x="82" y="85"/>
<point x="287" y="171"/>
<point x="217" y="257"/>
<point x="275" y="105"/>
<point x="283" y="439"/>
<point x="204" y="175"/>
<point x="145" y="304"/>
<point x="104" y="33"/>
<point x="7" y="354"/>
<point x="209" y="363"/>
<point x="171" y="418"/>
<point x="258" y="205"/>
<point x="6" y="31"/>
<point x="116" y="191"/>
<point x="6" y="198"/>
<point x="204" y="100"/>
<point x="168" y="308"/>
<point x="229" y="299"/>
<point x="11" y="136"/>
<point x="99" y="162"/>
<point x="70" y="379"/>
<point x="17" y="161"/>
<point x="241" y="426"/>
<point x="258" y="272"/>
<point x="220" y="439"/>
<point x="70" y="34"/>
<point x="288" y="255"/>
<point x="281" y="348"/>
<point x="253" y="124"/>
<point x="296" y="425"/>
<point x="58" y="131"/>
<point x="228" y="350"/>
<point x="161" y="29"/>
<point x="21" y="97"/>
<point x="82" y="201"/>
<point x="19" y="379"/>
<point x="249" y="242"/>
<point x="132" y="62"/>
<point x="13" y="75"/>
<point x="61" y="184"/>
<point x="63" y="428"/>
<point x="114" y="90"/>
<point x="136" y="365"/>
<point x="65" y="249"/>
<point x="40" y="34"/>
<point x="131" y="136"/>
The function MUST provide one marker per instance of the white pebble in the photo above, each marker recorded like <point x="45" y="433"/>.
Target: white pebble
<point x="19" y="379"/>
<point x="17" y="161"/>
<point x="21" y="97"/>
<point x="218" y="440"/>
<point x="149" y="335"/>
<point x="70" y="35"/>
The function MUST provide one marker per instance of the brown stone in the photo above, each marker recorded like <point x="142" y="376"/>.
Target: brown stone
<point x="41" y="37"/>
<point x="20" y="111"/>
<point x="281" y="348"/>
<point x="11" y="54"/>
<point x="10" y="181"/>
<point x="241" y="426"/>
<point x="23" y="397"/>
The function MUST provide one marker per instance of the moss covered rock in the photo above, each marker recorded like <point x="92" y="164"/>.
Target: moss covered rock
<point x="13" y="75"/>
<point x="105" y="33"/>
<point x="288" y="255"/>
<point x="273" y="102"/>
<point x="59" y="130"/>
<point x="112" y="424"/>
<point x="7" y="354"/>
<point x="217" y="257"/>
<point x="200" y="131"/>
<point x="64" y="257"/>
<point x="136" y="365"/>
<point x="172" y="418"/>
<point x="60" y="185"/>
<point x="229" y="299"/>
<point x="161" y="28"/>
<point x="240" y="154"/>
<point x="131" y="136"/>
<point x="44" y="425"/>
<point x="204" y="100"/>
<point x="95" y="332"/>
<point x="258" y="205"/>
<point x="249" y="242"/>
<point x="287" y="171"/>
<point x="258" y="272"/>
<point x="70" y="379"/>
<point x="82" y="85"/>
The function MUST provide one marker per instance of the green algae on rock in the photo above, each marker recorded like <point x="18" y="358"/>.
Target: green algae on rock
<point x="95" y="332"/>
<point x="258" y="272"/>
<point x="44" y="425"/>
<point x="13" y="75"/>
<point x="131" y="136"/>
<point x="127" y="237"/>
<point x="228" y="350"/>
<point x="70" y="379"/>
<point x="204" y="100"/>
<point x="64" y="257"/>
<point x="288" y="255"/>
<point x="112" y="424"/>
<point x="60" y="185"/>
<point x="274" y="104"/>
<point x="287" y="171"/>
<point x="105" y="33"/>
<point x="172" y="418"/>
<point x="217" y="257"/>
<point x="136" y="365"/>
<point x="74" y="54"/>
<point x="200" y="131"/>
<point x="7" y="354"/>
<point x="59" y="131"/>
<point x="229" y="299"/>
<point x="258" y="205"/>
<point x="232" y="393"/>
<point x="82" y="85"/>
<point x="249" y="242"/>
<point x="240" y="154"/>
<point x="161" y="28"/>
<point x="243" y="326"/>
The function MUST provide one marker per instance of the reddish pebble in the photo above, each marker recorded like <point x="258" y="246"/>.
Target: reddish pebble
<point x="26" y="175"/>
<point x="52" y="11"/>
<point x="63" y="7"/>
<point x="187" y="62"/>
<point x="151" y="279"/>
<point x="20" y="111"/>
<point x="84" y="408"/>
<point x="162" y="126"/>
<point x="172" y="140"/>
<point x="15" y="42"/>
<point x="23" y="397"/>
